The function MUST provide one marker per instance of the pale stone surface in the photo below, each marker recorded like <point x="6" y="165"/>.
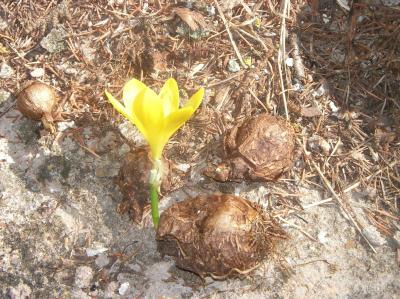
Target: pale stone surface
<point x="55" y="210"/>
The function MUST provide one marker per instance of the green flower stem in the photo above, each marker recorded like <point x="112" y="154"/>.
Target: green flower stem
<point x="154" y="204"/>
<point x="155" y="181"/>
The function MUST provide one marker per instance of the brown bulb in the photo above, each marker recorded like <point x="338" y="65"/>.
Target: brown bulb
<point x="36" y="101"/>
<point x="218" y="235"/>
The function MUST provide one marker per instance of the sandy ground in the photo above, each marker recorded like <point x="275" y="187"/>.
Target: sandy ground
<point x="61" y="236"/>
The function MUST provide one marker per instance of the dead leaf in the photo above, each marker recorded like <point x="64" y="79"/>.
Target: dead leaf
<point x="193" y="19"/>
<point x="310" y="111"/>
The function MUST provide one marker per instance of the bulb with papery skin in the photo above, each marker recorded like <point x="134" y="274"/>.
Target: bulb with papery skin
<point x="218" y="235"/>
<point x="36" y="99"/>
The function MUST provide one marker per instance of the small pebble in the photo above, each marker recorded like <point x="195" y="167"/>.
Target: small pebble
<point x="320" y="91"/>
<point x="54" y="42"/>
<point x="396" y="237"/>
<point x="183" y="167"/>
<point x="333" y="107"/>
<point x="37" y="73"/>
<point x="6" y="71"/>
<point x="111" y="288"/>
<point x="93" y="251"/>
<point x="289" y="62"/>
<point x="83" y="277"/>
<point x="123" y="289"/>
<point x="233" y="66"/>
<point x="4" y="96"/>
<point x="64" y="125"/>
<point x="210" y="10"/>
<point x="102" y="260"/>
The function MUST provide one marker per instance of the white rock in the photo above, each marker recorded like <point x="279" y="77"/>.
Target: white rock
<point x="324" y="146"/>
<point x="325" y="18"/>
<point x="319" y="92"/>
<point x="298" y="86"/>
<point x="6" y="71"/>
<point x="233" y="66"/>
<point x="344" y="4"/>
<point x="183" y="167"/>
<point x="54" y="42"/>
<point x="37" y="73"/>
<point x="289" y="62"/>
<point x="4" y="96"/>
<point x="333" y="107"/>
<point x="210" y="10"/>
<point x="64" y="125"/>
<point x="123" y="289"/>
<point x="96" y="250"/>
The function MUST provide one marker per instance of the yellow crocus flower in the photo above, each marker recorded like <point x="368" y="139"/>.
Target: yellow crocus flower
<point x="157" y="117"/>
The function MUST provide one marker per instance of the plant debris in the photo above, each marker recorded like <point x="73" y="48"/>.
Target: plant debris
<point x="193" y="19"/>
<point x="217" y="235"/>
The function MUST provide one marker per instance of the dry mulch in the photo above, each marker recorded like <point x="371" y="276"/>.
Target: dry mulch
<point x="334" y="74"/>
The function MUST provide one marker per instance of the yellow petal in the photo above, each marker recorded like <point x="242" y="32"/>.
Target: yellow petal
<point x="195" y="100"/>
<point x="148" y="115"/>
<point x="157" y="147"/>
<point x="170" y="95"/>
<point x="171" y="124"/>
<point x="174" y="121"/>
<point x="118" y="106"/>
<point x="130" y="91"/>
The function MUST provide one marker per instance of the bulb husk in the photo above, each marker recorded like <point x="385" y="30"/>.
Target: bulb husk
<point x="36" y="101"/>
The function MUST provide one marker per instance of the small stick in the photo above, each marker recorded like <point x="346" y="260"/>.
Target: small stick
<point x="298" y="62"/>
<point x="258" y="100"/>
<point x="281" y="54"/>
<point x="298" y="227"/>
<point x="342" y="204"/>
<point x="89" y="150"/>
<point x="224" y="81"/>
<point x="235" y="48"/>
<point x="333" y="152"/>
<point x="255" y="38"/>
